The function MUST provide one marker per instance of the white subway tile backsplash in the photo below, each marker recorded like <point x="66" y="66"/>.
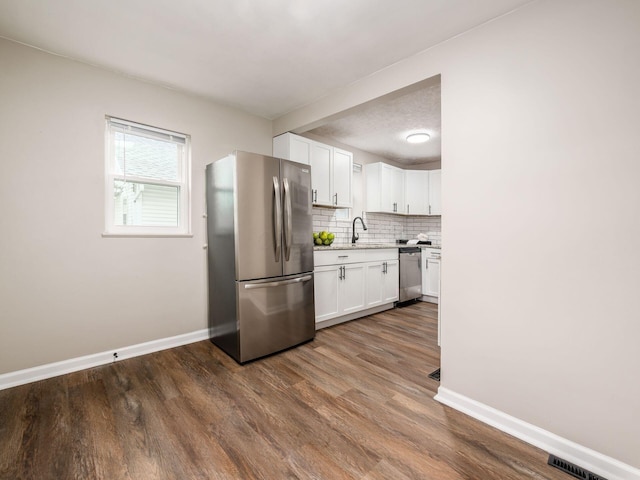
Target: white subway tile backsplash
<point x="381" y="227"/>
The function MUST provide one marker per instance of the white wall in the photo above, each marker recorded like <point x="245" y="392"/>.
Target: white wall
<point x="540" y="235"/>
<point x="65" y="291"/>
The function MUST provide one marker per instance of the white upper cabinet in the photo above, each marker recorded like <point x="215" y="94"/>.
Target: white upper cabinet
<point x="416" y="193"/>
<point x="342" y="177"/>
<point x="321" y="173"/>
<point x="384" y="188"/>
<point x="410" y="192"/>
<point x="422" y="192"/>
<point x="292" y="147"/>
<point x="331" y="168"/>
<point x="435" y="192"/>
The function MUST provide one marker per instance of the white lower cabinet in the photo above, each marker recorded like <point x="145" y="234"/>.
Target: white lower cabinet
<point x="351" y="292"/>
<point x="431" y="272"/>
<point x="325" y="283"/>
<point x="382" y="282"/>
<point x="390" y="283"/>
<point x="339" y="290"/>
<point x="350" y="282"/>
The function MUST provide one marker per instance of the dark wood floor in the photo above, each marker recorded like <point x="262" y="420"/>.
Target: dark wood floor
<point x="356" y="403"/>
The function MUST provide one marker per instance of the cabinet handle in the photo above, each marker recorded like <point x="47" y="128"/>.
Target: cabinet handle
<point x="384" y="267"/>
<point x="407" y="208"/>
<point x="314" y="196"/>
<point x="339" y="273"/>
<point x="335" y="198"/>
<point x="344" y="273"/>
<point x="429" y="209"/>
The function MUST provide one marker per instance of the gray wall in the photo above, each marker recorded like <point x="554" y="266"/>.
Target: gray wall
<point x="540" y="236"/>
<point x="65" y="291"/>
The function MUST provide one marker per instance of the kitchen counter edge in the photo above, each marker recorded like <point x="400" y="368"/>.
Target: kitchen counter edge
<point x="364" y="246"/>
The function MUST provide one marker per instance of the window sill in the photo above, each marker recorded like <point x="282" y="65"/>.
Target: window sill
<point x="147" y="235"/>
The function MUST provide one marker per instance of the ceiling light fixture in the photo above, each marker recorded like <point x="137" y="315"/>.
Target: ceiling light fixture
<point x="418" y="137"/>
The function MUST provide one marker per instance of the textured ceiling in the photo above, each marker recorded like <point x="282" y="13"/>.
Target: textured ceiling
<point x="381" y="126"/>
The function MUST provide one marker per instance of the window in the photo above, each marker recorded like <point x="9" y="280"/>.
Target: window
<point x="147" y="180"/>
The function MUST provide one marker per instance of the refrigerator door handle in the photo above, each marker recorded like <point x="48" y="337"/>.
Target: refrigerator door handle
<point x="277" y="218"/>
<point x="250" y="286"/>
<point x="287" y="219"/>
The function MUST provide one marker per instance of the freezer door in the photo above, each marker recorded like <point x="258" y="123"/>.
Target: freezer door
<point x="297" y="217"/>
<point x="258" y="216"/>
<point x="274" y="314"/>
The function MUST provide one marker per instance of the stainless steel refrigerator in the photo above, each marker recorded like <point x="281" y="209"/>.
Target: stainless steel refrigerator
<point x="260" y="254"/>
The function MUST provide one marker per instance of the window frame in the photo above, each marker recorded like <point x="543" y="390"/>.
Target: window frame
<point x="183" y="229"/>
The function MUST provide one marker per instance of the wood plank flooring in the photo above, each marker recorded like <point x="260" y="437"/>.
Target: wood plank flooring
<point x="355" y="403"/>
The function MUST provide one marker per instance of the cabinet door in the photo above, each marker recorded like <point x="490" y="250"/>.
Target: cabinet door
<point x="435" y="202"/>
<point x="351" y="289"/>
<point x="292" y="147"/>
<point x="425" y="271"/>
<point x="416" y="192"/>
<point x="321" y="172"/>
<point x="375" y="290"/>
<point x="397" y="189"/>
<point x="326" y="292"/>
<point x="433" y="278"/>
<point x="300" y="150"/>
<point x="390" y="282"/>
<point x="342" y="175"/>
<point x="391" y="189"/>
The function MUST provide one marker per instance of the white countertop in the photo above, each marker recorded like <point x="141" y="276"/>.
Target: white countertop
<point x="361" y="246"/>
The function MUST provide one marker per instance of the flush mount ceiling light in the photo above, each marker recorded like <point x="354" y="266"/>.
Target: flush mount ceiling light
<point x="420" y="137"/>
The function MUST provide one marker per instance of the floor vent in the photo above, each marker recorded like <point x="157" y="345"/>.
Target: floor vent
<point x="435" y="375"/>
<point x="573" y="469"/>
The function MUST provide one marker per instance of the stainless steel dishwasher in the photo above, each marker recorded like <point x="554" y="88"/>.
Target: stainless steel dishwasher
<point x="410" y="273"/>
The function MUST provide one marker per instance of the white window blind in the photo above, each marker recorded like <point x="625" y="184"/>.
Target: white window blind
<point x="147" y="180"/>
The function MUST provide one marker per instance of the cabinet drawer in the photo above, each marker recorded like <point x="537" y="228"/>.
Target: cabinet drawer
<point x="341" y="257"/>
<point x="431" y="252"/>
<point x="338" y="257"/>
<point x="376" y="255"/>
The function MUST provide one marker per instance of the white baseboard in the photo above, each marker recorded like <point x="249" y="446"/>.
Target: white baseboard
<point x="430" y="299"/>
<point x="591" y="460"/>
<point x="41" y="372"/>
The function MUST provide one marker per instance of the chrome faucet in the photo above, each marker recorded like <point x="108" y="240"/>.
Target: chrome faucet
<point x="354" y="235"/>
